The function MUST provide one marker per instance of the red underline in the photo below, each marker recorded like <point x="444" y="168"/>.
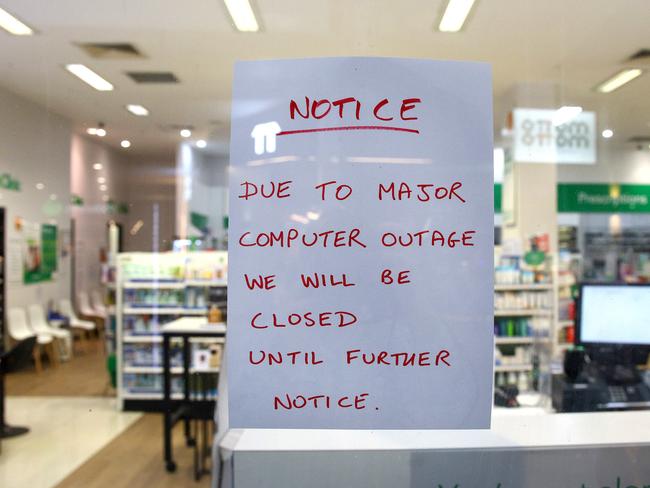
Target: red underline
<point x="348" y="127"/>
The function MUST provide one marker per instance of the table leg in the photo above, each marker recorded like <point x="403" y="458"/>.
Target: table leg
<point x="170" y="465"/>
<point x="189" y="440"/>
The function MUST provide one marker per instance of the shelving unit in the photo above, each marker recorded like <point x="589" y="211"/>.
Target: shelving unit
<point x="569" y="271"/>
<point x="523" y="322"/>
<point x="152" y="289"/>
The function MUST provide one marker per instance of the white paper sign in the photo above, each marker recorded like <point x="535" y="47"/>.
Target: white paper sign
<point x="545" y="136"/>
<point x="360" y="281"/>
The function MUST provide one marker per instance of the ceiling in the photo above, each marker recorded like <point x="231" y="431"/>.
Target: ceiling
<point x="574" y="44"/>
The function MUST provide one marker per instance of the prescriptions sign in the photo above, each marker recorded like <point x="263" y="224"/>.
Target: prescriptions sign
<point x="361" y="236"/>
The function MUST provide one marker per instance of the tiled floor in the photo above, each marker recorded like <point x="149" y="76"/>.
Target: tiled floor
<point x="65" y="432"/>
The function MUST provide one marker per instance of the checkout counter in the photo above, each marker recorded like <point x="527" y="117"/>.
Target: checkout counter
<point x="527" y="447"/>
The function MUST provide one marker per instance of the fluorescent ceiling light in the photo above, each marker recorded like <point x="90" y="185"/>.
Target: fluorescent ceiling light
<point x="97" y="166"/>
<point x="85" y="74"/>
<point x="201" y="143"/>
<point x="455" y="15"/>
<point x="186" y="133"/>
<point x="100" y="132"/>
<point x="299" y="218"/>
<point x="14" y="26"/>
<point x="138" y="110"/>
<point x="242" y="15"/>
<point x="619" y="79"/>
<point x="101" y="180"/>
<point x="565" y="114"/>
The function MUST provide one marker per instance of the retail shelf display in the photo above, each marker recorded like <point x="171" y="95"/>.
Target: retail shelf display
<point x="569" y="271"/>
<point x="524" y="319"/>
<point x="152" y="289"/>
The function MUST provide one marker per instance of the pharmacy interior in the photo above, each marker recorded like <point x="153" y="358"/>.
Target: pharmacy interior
<point x="237" y="251"/>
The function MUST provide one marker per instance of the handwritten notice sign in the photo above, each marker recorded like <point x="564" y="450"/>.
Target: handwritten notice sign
<point x="361" y="263"/>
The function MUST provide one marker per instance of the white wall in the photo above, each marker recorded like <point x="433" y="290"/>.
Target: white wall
<point x="92" y="217"/>
<point x="616" y="163"/>
<point x="34" y="148"/>
<point x="202" y="187"/>
<point x="151" y="193"/>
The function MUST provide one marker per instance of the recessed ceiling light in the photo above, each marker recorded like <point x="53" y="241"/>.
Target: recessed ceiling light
<point x="101" y="180"/>
<point x="186" y="133"/>
<point x="125" y="143"/>
<point x="14" y="26"/>
<point x="40" y="186"/>
<point x="201" y="143"/>
<point x="103" y="188"/>
<point x="100" y="132"/>
<point x="565" y="114"/>
<point x="97" y="166"/>
<point x="607" y="133"/>
<point x="85" y="74"/>
<point x="455" y="15"/>
<point x="619" y="79"/>
<point x="138" y="110"/>
<point x="242" y="15"/>
<point x="91" y="131"/>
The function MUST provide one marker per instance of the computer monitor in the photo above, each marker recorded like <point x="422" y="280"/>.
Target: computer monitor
<point x="614" y="316"/>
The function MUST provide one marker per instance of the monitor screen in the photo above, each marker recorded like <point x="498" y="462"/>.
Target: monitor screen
<point x="615" y="314"/>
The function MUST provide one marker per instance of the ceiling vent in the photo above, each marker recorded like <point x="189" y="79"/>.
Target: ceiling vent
<point x="111" y="50"/>
<point x="641" y="58"/>
<point x="152" y="76"/>
<point x="640" y="54"/>
<point x="175" y="127"/>
<point x="639" y="139"/>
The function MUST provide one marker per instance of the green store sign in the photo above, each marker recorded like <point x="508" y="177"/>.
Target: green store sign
<point x="595" y="198"/>
<point x="8" y="182"/>
<point x="603" y="198"/>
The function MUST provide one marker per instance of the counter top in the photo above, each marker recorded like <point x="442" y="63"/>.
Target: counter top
<point x="525" y="427"/>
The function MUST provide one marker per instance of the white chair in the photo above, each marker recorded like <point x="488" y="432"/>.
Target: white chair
<point x="19" y="330"/>
<point x="98" y="304"/>
<point x="88" y="312"/>
<point x="65" y="308"/>
<point x="38" y="323"/>
<point x="86" y="309"/>
<point x="82" y="327"/>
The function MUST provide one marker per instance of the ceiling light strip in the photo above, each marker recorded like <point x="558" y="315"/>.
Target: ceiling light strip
<point x="138" y="110"/>
<point x="85" y="74"/>
<point x="242" y="15"/>
<point x="455" y="15"/>
<point x="619" y="79"/>
<point x="14" y="26"/>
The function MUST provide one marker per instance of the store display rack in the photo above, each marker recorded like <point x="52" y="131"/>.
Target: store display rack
<point x="152" y="289"/>
<point x="524" y="311"/>
<point x="569" y="271"/>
